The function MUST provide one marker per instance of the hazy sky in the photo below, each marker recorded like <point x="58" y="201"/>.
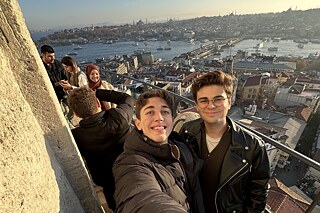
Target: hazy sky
<point x="44" y="14"/>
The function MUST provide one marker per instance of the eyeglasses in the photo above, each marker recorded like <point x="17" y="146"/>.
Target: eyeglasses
<point x="217" y="101"/>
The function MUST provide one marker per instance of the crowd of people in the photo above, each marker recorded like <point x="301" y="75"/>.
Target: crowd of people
<point x="210" y="165"/>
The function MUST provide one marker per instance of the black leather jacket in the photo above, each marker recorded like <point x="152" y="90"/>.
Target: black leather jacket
<point x="245" y="172"/>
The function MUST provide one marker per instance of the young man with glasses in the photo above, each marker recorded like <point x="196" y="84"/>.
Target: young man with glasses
<point x="236" y="170"/>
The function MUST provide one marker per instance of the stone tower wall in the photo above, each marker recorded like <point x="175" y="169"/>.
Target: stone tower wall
<point x="40" y="167"/>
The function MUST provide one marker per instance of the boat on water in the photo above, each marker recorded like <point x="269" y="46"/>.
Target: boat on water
<point x="73" y="53"/>
<point x="77" y="48"/>
<point x="276" y="39"/>
<point x="152" y="39"/>
<point x="273" y="49"/>
<point x="167" y="48"/>
<point x="160" y="48"/>
<point x="301" y="45"/>
<point x="302" y="41"/>
<point x="135" y="44"/>
<point x="109" y="42"/>
<point x="259" y="45"/>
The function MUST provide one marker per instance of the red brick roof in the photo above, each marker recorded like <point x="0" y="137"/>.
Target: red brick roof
<point x="283" y="203"/>
<point x="282" y="199"/>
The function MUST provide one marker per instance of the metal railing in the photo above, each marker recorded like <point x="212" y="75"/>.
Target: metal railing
<point x="308" y="161"/>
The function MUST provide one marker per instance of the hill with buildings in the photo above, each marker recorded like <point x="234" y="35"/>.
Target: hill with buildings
<point x="290" y="24"/>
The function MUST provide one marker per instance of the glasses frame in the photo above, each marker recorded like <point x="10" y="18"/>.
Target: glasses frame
<point x="217" y="101"/>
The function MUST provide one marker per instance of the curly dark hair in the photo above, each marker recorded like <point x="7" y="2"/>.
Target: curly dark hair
<point x="143" y="99"/>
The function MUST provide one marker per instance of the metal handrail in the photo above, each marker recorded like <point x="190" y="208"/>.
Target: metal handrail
<point x="308" y="161"/>
<point x="151" y="85"/>
<point x="282" y="147"/>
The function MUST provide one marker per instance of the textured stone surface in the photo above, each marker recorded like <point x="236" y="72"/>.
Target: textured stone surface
<point x="40" y="167"/>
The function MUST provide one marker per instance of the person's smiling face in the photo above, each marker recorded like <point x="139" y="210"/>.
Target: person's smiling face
<point x="94" y="76"/>
<point x="156" y="121"/>
<point x="212" y="114"/>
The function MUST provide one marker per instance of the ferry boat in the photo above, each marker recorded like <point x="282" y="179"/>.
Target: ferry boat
<point x="273" y="49"/>
<point x="276" y="39"/>
<point x="77" y="48"/>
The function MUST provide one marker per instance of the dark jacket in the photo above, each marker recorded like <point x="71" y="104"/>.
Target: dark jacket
<point x="56" y="73"/>
<point x="151" y="177"/>
<point x="245" y="172"/>
<point x="100" y="137"/>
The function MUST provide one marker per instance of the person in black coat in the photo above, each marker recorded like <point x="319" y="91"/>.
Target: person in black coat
<point x="157" y="172"/>
<point x="236" y="168"/>
<point x="54" y="69"/>
<point x="101" y="133"/>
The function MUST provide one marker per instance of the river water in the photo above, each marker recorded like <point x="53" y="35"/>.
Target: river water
<point x="90" y="52"/>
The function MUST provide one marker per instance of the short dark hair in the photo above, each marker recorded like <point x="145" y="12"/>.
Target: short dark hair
<point x="143" y="99"/>
<point x="216" y="77"/>
<point x="46" y="49"/>
<point x="83" y="101"/>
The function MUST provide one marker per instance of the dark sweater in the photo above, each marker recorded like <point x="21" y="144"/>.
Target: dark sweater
<point x="209" y="176"/>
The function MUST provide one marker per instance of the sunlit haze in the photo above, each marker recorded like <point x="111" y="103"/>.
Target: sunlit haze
<point x="72" y="13"/>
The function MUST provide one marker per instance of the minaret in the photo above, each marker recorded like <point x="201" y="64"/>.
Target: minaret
<point x="229" y="70"/>
<point x="229" y="65"/>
